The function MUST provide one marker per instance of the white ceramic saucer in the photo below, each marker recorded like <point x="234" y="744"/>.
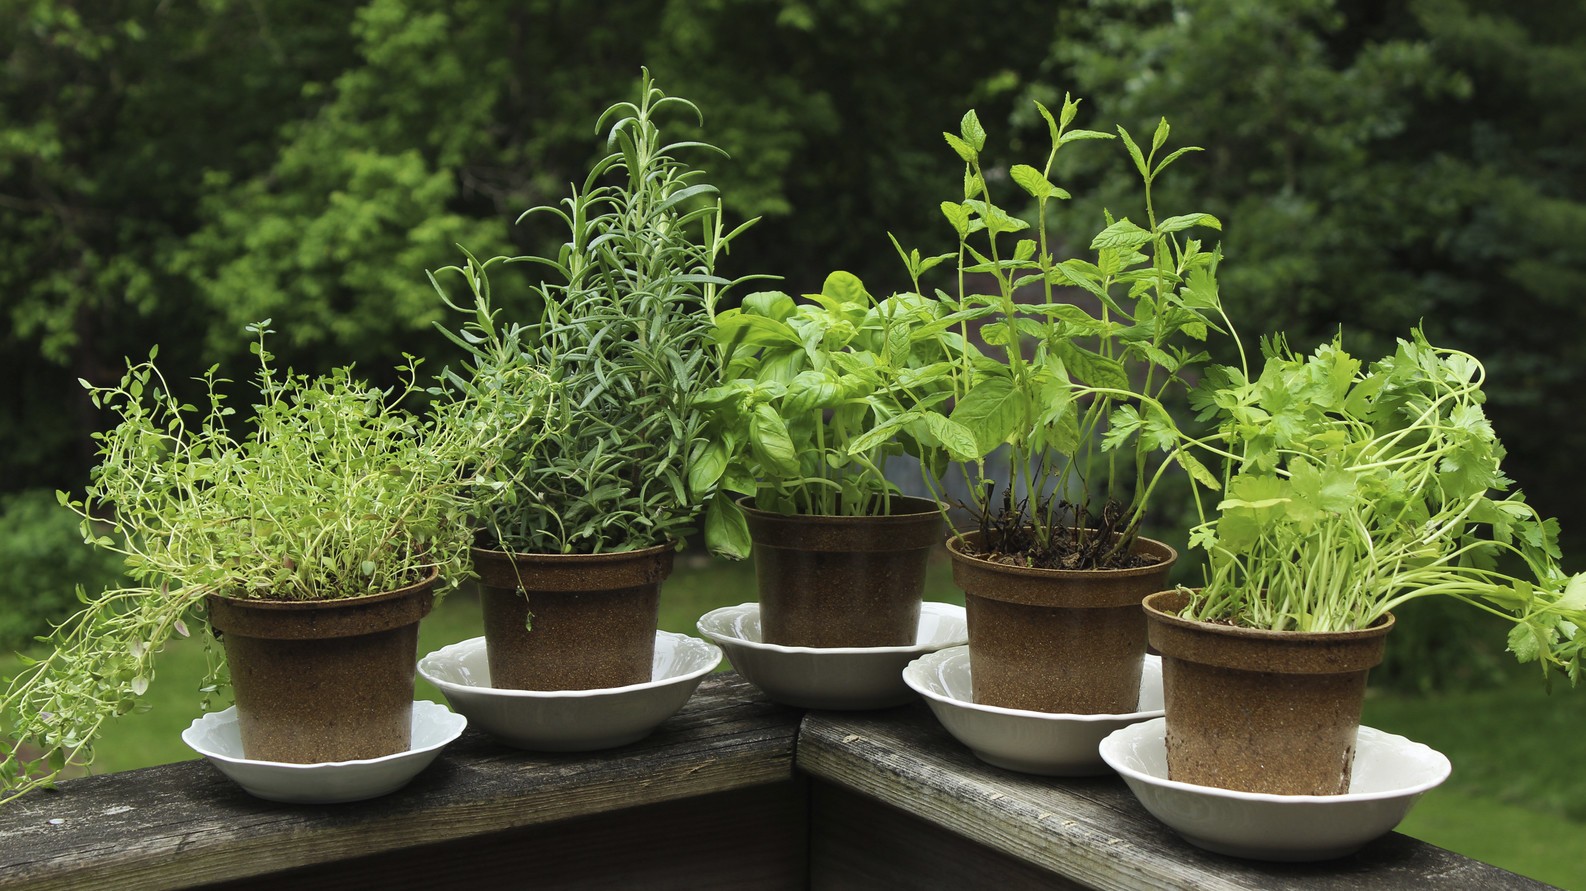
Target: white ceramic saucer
<point x="571" y="720"/>
<point x="217" y="737"/>
<point x="829" y="677"/>
<point x="1027" y="741"/>
<point x="1390" y="773"/>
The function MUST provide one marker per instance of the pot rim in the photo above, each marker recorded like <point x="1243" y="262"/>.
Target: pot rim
<point x="428" y="581"/>
<point x="548" y="557"/>
<point x="1379" y="626"/>
<point x="927" y="506"/>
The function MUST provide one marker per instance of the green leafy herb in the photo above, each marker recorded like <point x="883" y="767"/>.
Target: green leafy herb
<point x="334" y="491"/>
<point x="1082" y="353"/>
<point x="1352" y="491"/>
<point x="816" y="395"/>
<point x="615" y="457"/>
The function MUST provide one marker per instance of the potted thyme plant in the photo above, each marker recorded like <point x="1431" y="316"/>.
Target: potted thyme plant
<point x="816" y="396"/>
<point x="1349" y="492"/>
<point x="1072" y="383"/>
<point x="311" y="543"/>
<point x="597" y="488"/>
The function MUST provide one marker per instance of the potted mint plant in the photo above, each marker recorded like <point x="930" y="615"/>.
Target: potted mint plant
<point x="1349" y="492"/>
<point x="598" y="486"/>
<point x="816" y="397"/>
<point x="311" y="542"/>
<point x="1079" y="357"/>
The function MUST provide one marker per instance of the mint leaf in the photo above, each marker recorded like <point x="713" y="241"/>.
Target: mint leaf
<point x="1035" y="182"/>
<point x="1159" y="138"/>
<point x="973" y="133"/>
<point x="1091" y="369"/>
<point x="1122" y="234"/>
<point x="958" y="216"/>
<point x="961" y="147"/>
<point x="1134" y="152"/>
<point x="1186" y="221"/>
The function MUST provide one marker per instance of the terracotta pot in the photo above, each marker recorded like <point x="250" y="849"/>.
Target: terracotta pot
<point x="1261" y="711"/>
<point x="828" y="581"/>
<point x="1056" y="640"/>
<point x="571" y="621"/>
<point x="323" y="680"/>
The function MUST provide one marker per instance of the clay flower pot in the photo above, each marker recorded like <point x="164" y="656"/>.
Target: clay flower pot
<point x="1261" y="711"/>
<point x="571" y="621"/>
<point x="1056" y="640"/>
<point x="833" y="581"/>
<point x="323" y="680"/>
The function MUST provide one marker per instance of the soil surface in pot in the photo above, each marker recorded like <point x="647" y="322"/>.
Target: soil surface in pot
<point x="1008" y="536"/>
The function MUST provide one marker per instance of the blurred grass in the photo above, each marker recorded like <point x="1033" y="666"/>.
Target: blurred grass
<point x="1516" y="798"/>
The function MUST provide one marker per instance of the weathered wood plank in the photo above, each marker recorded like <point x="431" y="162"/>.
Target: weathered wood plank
<point x="747" y="838"/>
<point x="185" y="824"/>
<point x="862" y="844"/>
<point x="1090" y="831"/>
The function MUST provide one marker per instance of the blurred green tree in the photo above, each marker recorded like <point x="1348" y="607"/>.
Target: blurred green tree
<point x="1378" y="165"/>
<point x="172" y="172"/>
<point x="109" y="115"/>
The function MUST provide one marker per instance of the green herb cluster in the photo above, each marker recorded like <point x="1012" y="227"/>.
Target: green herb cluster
<point x="334" y="491"/>
<point x="1082" y="353"/>
<point x="614" y="370"/>
<point x="816" y="397"/>
<point x="1352" y="491"/>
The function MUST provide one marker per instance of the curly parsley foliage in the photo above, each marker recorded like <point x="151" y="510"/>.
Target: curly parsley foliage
<point x="1353" y="491"/>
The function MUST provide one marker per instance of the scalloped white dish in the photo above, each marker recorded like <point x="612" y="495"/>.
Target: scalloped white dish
<point x="571" y="720"/>
<point x="829" y="677"/>
<point x="1045" y="743"/>
<point x="1389" y="775"/>
<point x="217" y="737"/>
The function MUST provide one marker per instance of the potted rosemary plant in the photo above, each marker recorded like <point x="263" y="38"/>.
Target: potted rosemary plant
<point x="1072" y="383"/>
<point x="597" y="488"/>
<point x="312" y="541"/>
<point x="816" y="396"/>
<point x="1349" y="492"/>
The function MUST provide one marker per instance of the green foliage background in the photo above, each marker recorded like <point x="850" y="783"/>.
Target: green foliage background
<point x="172" y="171"/>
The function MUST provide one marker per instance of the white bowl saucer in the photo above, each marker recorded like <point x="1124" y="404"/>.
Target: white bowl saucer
<point x="1045" y="743"/>
<point x="829" y="677"/>
<point x="217" y="737"/>
<point x="1390" y="773"/>
<point x="571" y="720"/>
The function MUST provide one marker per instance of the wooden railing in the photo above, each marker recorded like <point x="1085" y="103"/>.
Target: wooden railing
<point x="733" y="792"/>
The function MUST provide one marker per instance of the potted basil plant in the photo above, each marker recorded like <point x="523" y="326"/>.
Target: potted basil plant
<point x="311" y="541"/>
<point x="590" y="498"/>
<point x="1079" y="357"/>
<point x="1350" y="492"/>
<point x="816" y="397"/>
